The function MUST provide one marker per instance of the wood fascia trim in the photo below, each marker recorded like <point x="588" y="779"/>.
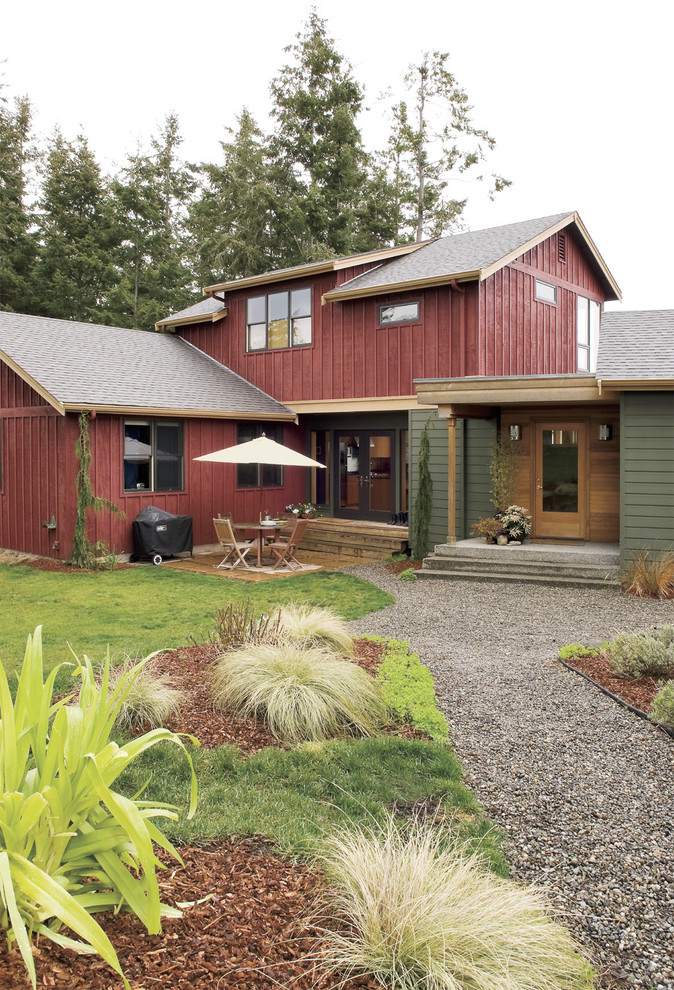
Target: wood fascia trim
<point x="518" y="390"/>
<point x="412" y="285"/>
<point x="597" y="256"/>
<point x="206" y="318"/>
<point x="638" y="384"/>
<point x="527" y="246"/>
<point x="363" y="259"/>
<point x="177" y="412"/>
<point x="283" y="275"/>
<point x="372" y="404"/>
<point x="35" y="385"/>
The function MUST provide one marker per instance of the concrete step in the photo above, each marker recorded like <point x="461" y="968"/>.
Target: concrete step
<point x="514" y="555"/>
<point x="587" y="569"/>
<point x="519" y="578"/>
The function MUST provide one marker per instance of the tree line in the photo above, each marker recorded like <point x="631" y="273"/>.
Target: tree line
<point x="130" y="248"/>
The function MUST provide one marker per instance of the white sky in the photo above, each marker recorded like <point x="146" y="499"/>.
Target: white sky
<point x="578" y="95"/>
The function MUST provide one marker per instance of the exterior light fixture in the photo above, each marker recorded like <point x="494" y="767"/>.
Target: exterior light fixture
<point x="605" y="431"/>
<point x="515" y="432"/>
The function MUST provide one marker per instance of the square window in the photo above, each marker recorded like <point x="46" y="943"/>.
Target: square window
<point x="153" y="456"/>
<point x="278" y="320"/>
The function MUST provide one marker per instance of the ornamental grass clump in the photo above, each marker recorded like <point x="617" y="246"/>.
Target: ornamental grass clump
<point x="149" y="699"/>
<point x="416" y="911"/>
<point x="70" y="845"/>
<point x="303" y="693"/>
<point x="650" y="575"/>
<point x="313" y="626"/>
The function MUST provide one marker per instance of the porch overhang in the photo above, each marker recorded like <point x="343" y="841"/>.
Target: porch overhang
<point x="466" y="398"/>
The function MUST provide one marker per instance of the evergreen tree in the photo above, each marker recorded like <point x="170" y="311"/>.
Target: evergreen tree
<point x="319" y="169"/>
<point x="428" y="142"/>
<point x="17" y="244"/>
<point x="74" y="269"/>
<point x="232" y="221"/>
<point x="148" y="205"/>
<point x="423" y="502"/>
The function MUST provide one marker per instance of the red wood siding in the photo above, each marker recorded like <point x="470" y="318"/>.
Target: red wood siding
<point x="350" y="355"/>
<point x="39" y="468"/>
<point x="15" y="393"/>
<point x="520" y="335"/>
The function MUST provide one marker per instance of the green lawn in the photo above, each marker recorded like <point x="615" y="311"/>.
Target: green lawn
<point x="141" y="609"/>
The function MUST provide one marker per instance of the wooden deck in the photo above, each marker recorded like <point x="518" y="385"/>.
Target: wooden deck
<point x="355" y="538"/>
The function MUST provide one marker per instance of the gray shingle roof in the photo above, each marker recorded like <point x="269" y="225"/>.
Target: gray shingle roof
<point x="205" y="307"/>
<point x="638" y="344"/>
<point x="450" y="256"/>
<point x="90" y="366"/>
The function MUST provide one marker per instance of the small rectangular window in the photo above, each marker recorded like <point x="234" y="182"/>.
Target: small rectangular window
<point x="153" y="455"/>
<point x="399" y="313"/>
<point x="546" y="292"/>
<point x="259" y="475"/>
<point x="588" y="313"/>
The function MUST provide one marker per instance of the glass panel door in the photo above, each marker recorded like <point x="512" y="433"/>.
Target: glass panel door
<point x="348" y="496"/>
<point x="560" y="480"/>
<point x="365" y="475"/>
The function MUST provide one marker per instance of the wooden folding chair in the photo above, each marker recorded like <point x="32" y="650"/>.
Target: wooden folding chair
<point x="238" y="549"/>
<point x="284" y="550"/>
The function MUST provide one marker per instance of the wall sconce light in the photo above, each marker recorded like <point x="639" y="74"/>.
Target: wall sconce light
<point x="605" y="431"/>
<point x="515" y="432"/>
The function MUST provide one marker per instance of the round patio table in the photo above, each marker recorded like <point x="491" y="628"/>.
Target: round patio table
<point x="263" y="529"/>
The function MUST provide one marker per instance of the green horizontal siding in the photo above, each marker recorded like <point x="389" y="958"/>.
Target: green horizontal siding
<point x="479" y="446"/>
<point x="646" y="472"/>
<point x="439" y="470"/>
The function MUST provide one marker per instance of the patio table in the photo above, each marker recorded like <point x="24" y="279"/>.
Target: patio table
<point x="262" y="529"/>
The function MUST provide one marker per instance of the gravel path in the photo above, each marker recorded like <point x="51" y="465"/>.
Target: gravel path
<point x="582" y="789"/>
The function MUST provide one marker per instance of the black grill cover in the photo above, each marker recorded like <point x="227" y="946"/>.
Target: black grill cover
<point x="158" y="532"/>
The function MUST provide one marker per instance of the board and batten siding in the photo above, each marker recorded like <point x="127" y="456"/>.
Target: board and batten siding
<point x="646" y="472"/>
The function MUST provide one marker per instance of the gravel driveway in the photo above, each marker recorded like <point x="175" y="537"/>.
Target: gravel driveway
<point x="582" y="789"/>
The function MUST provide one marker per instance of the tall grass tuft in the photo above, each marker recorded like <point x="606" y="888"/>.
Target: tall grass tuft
<point x="416" y="912"/>
<point x="304" y="693"/>
<point x="313" y="626"/>
<point x="650" y="575"/>
<point x="149" y="699"/>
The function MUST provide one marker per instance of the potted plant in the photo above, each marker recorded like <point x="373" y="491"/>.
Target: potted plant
<point x="488" y="528"/>
<point x="301" y="510"/>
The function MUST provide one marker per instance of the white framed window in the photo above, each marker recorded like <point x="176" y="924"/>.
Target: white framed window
<point x="153" y="455"/>
<point x="278" y="319"/>
<point x="588" y="314"/>
<point x="545" y="292"/>
<point x="399" y="313"/>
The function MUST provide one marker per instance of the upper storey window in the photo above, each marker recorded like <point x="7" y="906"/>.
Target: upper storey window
<point x="546" y="292"/>
<point x="279" y="319"/>
<point x="587" y="332"/>
<point x="399" y="313"/>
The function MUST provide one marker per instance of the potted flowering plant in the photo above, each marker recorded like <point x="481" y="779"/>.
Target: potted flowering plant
<point x="515" y="521"/>
<point x="301" y="510"/>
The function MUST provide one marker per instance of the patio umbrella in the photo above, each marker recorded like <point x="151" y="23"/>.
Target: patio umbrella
<point x="262" y="450"/>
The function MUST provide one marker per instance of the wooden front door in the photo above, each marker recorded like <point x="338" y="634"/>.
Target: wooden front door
<point x="365" y="474"/>
<point x="560" y="503"/>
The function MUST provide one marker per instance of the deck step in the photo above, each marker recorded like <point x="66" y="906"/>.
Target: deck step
<point x="361" y="540"/>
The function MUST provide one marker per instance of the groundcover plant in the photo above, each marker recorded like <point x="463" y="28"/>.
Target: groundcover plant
<point x="70" y="845"/>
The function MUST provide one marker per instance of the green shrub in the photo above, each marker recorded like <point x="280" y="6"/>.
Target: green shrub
<point x="643" y="654"/>
<point x="415" y="911"/>
<point x="312" y="626"/>
<point x="573" y="650"/>
<point x="663" y="705"/>
<point x="66" y="837"/>
<point x="408" y="689"/>
<point x="149" y="699"/>
<point x="408" y="575"/>
<point x="304" y="693"/>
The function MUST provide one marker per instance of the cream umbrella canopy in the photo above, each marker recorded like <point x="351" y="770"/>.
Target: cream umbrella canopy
<point x="262" y="450"/>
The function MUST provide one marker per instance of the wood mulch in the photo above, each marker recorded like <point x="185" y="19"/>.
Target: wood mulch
<point x="254" y="932"/>
<point x="398" y="566"/>
<point x="638" y="692"/>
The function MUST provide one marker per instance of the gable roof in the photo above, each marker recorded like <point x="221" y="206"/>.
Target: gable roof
<point x="472" y="254"/>
<point x="636" y="347"/>
<point x="77" y="366"/>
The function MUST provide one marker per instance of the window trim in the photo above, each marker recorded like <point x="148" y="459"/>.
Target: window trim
<point x="399" y="323"/>
<point x="591" y="348"/>
<point x="153" y="423"/>
<point x="548" y="285"/>
<point x="289" y="345"/>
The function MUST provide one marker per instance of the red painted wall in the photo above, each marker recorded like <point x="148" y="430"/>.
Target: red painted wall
<point x="492" y="328"/>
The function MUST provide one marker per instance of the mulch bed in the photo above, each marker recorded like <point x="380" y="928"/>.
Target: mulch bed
<point x="253" y="933"/>
<point x="638" y="692"/>
<point x="398" y="566"/>
<point x="60" y="566"/>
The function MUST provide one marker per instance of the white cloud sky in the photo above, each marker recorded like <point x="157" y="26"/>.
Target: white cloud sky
<point x="578" y="95"/>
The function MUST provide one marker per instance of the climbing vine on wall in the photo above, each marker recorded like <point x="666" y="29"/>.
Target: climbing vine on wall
<point x="84" y="553"/>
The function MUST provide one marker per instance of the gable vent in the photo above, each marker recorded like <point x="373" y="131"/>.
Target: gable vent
<point x="561" y="247"/>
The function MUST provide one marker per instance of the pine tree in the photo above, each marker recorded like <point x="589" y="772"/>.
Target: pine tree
<point x="74" y="269"/>
<point x="430" y="140"/>
<point x="320" y="165"/>
<point x="17" y="244"/>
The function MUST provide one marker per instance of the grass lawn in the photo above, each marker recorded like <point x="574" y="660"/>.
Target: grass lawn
<point x="141" y="609"/>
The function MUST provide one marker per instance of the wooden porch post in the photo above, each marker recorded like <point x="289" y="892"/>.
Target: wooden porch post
<point x="451" y="480"/>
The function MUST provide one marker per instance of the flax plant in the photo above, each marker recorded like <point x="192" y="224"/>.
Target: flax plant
<point x="416" y="911"/>
<point x="70" y="845"/>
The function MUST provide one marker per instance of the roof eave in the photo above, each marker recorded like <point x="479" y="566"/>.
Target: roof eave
<point x="177" y="411"/>
<point x="638" y="384"/>
<point x="186" y="320"/>
<point x="339" y="295"/>
<point x="34" y="384"/>
<point x="511" y="390"/>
